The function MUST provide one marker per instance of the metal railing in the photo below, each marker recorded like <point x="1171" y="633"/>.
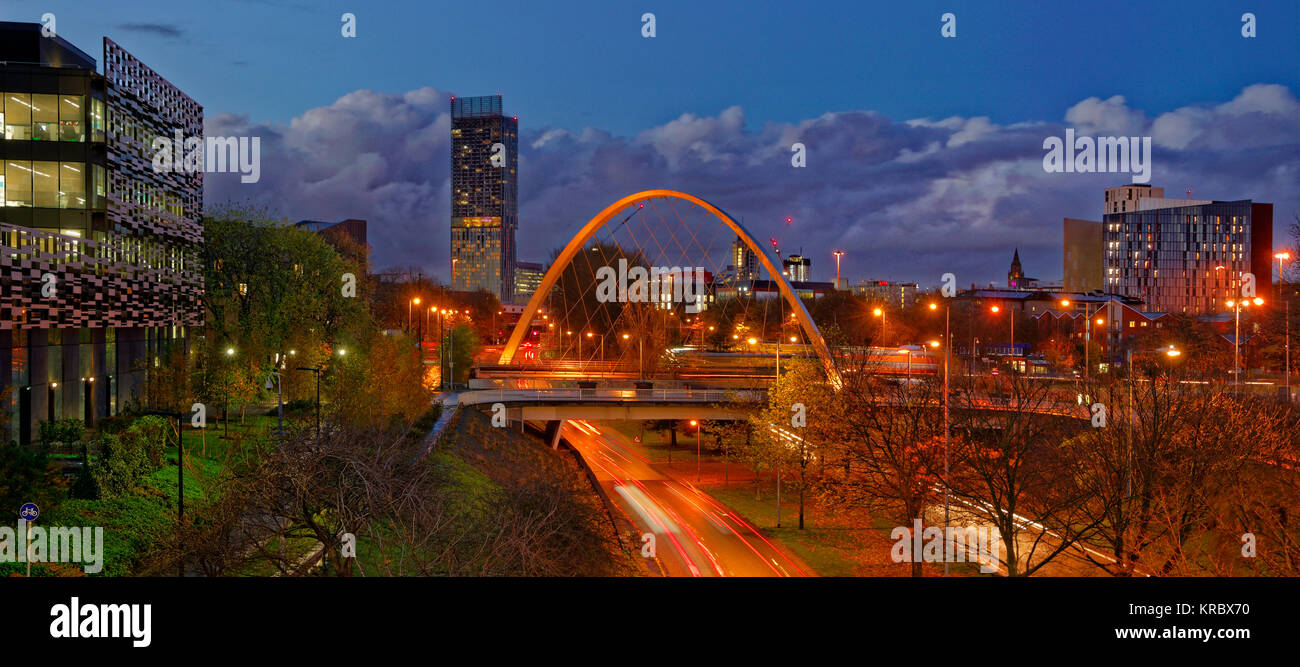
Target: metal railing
<point x="592" y="394"/>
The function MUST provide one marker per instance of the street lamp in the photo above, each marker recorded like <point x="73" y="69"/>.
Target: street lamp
<point x="279" y="391"/>
<point x="696" y="425"/>
<point x="602" y="345"/>
<point x="1087" y="333"/>
<point x="1236" y="305"/>
<point x="1170" y="352"/>
<point x="1011" y="315"/>
<point x="880" y="312"/>
<point x="317" y="370"/>
<point x="225" y="407"/>
<point x="1284" y="257"/>
<point x="947" y="345"/>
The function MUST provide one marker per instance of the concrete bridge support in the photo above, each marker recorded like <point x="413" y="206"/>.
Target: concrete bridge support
<point x="553" y="433"/>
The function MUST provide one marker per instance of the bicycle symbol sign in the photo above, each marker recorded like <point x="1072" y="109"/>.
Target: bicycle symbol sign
<point x="29" y="512"/>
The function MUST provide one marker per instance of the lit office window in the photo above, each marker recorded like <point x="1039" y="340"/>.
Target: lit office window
<point x="45" y="117"/>
<point x="18" y="116"/>
<point x="71" y="115"/>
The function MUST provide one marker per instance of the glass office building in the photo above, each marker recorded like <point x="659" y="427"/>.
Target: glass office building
<point x="98" y="251"/>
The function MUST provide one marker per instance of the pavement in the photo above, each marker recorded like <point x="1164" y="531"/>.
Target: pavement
<point x="450" y="404"/>
<point x="694" y="534"/>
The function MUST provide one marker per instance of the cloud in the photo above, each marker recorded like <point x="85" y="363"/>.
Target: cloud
<point x="906" y="200"/>
<point x="1111" y="117"/>
<point x="167" y="30"/>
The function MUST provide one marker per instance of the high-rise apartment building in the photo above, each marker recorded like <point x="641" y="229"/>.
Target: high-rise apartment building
<point x="1188" y="258"/>
<point x="528" y="278"/>
<point x="98" y="249"/>
<point x="1083" y="256"/>
<point x="484" y="196"/>
<point x="743" y="261"/>
<point x="798" y="268"/>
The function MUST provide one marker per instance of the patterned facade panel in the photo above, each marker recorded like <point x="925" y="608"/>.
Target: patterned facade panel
<point x="122" y="282"/>
<point x="143" y="105"/>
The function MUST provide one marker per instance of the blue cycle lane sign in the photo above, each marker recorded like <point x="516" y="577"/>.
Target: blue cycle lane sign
<point x="28" y="512"/>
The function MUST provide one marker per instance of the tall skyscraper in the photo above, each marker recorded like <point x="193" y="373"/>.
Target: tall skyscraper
<point x="744" y="260"/>
<point x="98" y="247"/>
<point x="484" y="196"/>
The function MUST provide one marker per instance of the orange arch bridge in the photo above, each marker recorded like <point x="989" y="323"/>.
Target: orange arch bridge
<point x="604" y="217"/>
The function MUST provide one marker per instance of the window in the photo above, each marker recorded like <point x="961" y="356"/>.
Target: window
<point x="18" y="183"/>
<point x="45" y="117"/>
<point x="71" y="114"/>
<point x="100" y="175"/>
<point x="45" y="184"/>
<point x="72" y="185"/>
<point x="97" y="120"/>
<point x="18" y="116"/>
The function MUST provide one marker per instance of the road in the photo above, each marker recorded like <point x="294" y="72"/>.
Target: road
<point x="695" y="535"/>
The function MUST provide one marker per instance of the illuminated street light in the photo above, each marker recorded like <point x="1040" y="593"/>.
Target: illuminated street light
<point x="1285" y="257"/>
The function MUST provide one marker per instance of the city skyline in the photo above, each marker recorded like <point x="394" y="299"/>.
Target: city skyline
<point x="945" y="177"/>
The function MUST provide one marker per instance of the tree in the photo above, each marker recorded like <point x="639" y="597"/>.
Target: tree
<point x="1015" y="475"/>
<point x="462" y="347"/>
<point x="892" y="451"/>
<point x="802" y="415"/>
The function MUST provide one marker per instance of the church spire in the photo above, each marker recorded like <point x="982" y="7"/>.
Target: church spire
<point x="1016" y="275"/>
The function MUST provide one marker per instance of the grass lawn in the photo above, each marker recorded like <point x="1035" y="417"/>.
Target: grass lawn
<point x="835" y="544"/>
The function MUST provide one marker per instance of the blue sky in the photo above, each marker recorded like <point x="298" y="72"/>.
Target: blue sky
<point x="583" y="62"/>
<point x="705" y="105"/>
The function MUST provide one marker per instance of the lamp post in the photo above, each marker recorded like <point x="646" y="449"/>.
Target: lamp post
<point x="180" y="477"/>
<point x="279" y="391"/>
<point x="1236" y="305"/>
<point x="1283" y="257"/>
<point x="317" y="371"/>
<point x="602" y="345"/>
<point x="640" y="356"/>
<point x="880" y="312"/>
<point x="695" y="424"/>
<point x="1087" y="334"/>
<point x="838" y="254"/>
<point x="1011" y="315"/>
<point x="1171" y="352"/>
<point x="225" y="407"/>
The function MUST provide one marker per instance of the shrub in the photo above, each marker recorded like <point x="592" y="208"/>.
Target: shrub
<point x="129" y="455"/>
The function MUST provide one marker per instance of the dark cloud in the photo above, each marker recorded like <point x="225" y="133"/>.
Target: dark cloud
<point x="907" y="200"/>
<point x="168" y="30"/>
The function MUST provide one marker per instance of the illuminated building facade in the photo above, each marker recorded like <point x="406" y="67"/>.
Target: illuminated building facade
<point x="98" y="250"/>
<point x="484" y="196"/>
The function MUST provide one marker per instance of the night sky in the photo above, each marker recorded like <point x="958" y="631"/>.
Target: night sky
<point x="924" y="154"/>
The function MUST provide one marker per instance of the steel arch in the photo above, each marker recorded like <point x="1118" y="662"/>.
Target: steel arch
<point x="601" y="219"/>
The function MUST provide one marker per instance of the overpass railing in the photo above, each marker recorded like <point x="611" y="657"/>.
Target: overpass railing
<point x="608" y="395"/>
